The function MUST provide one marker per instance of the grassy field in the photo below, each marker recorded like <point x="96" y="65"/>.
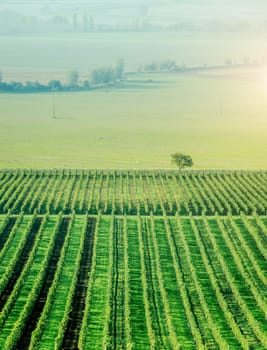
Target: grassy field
<point x="220" y="119"/>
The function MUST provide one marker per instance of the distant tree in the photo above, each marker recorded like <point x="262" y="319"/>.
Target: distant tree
<point x="73" y="79"/>
<point x="37" y="86"/>
<point x="107" y="75"/>
<point x="86" y="85"/>
<point x="119" y="69"/>
<point x="55" y="85"/>
<point x="167" y="65"/>
<point x="85" y="23"/>
<point x="182" y="160"/>
<point x="15" y="86"/>
<point x="151" y="67"/>
<point x="96" y="76"/>
<point x="104" y="75"/>
<point x="32" y="85"/>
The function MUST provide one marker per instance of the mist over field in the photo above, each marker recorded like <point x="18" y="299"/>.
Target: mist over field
<point x="54" y="36"/>
<point x="194" y="78"/>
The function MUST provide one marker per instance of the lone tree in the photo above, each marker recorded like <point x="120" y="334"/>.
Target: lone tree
<point x="182" y="160"/>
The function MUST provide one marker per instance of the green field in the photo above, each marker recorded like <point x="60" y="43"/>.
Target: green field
<point x="219" y="120"/>
<point x="133" y="192"/>
<point x="150" y="260"/>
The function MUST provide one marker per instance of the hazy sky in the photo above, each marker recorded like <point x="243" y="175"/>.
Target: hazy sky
<point x="221" y="9"/>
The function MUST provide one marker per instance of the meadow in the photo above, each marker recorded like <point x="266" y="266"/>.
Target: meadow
<point x="219" y="119"/>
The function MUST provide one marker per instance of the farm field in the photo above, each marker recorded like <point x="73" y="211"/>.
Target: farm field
<point x="133" y="192"/>
<point x="106" y="241"/>
<point x="105" y="244"/>
<point x="133" y="259"/>
<point x="133" y="282"/>
<point x="218" y="118"/>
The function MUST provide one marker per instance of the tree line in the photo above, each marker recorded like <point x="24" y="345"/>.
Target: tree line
<point x="166" y="65"/>
<point x="99" y="77"/>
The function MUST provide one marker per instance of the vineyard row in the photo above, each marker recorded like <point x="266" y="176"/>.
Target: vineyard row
<point x="124" y="282"/>
<point x="133" y="192"/>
